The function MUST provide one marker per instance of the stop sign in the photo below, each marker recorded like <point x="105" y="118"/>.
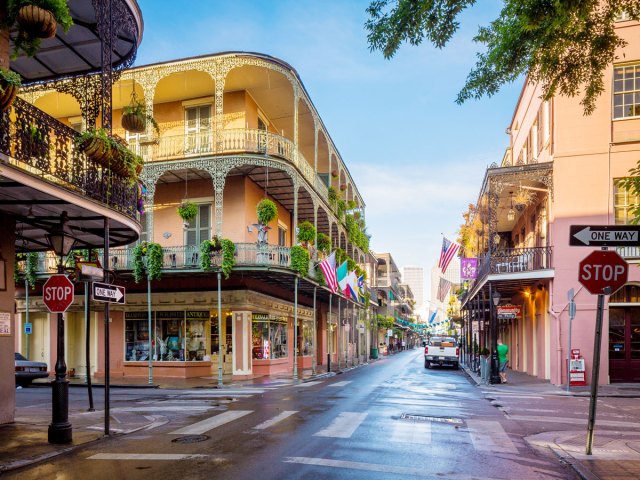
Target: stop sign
<point x="602" y="269"/>
<point x="57" y="293"/>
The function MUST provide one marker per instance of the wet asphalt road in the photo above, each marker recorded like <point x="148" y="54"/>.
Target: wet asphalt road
<point x="392" y="419"/>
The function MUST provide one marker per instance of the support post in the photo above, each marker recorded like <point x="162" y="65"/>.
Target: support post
<point x="495" y="377"/>
<point x="149" y="328"/>
<point x="219" y="329"/>
<point x="595" y="375"/>
<point x="329" y="334"/>
<point x="315" y="336"/>
<point x="295" y="328"/>
<point x="107" y="368"/>
<point x="26" y="300"/>
<point x="87" y="330"/>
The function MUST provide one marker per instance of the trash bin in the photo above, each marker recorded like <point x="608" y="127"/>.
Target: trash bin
<point x="374" y="352"/>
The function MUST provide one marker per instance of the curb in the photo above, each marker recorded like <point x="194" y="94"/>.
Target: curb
<point x="575" y="465"/>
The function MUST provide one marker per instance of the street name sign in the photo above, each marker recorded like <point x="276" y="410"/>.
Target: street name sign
<point x="603" y="269"/>
<point x="104" y="292"/>
<point x="604" y="235"/>
<point x="57" y="293"/>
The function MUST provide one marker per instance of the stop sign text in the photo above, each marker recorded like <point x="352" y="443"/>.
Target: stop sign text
<point x="602" y="270"/>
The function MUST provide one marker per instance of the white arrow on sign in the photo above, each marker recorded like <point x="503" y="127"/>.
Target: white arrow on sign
<point x="586" y="235"/>
<point x="109" y="293"/>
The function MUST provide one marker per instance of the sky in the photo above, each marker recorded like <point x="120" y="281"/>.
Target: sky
<point x="417" y="158"/>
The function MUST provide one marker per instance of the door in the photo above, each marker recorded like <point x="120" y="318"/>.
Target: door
<point x="195" y="232"/>
<point x="624" y="344"/>
<point x="197" y="124"/>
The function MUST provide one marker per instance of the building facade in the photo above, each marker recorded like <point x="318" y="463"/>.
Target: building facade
<point x="414" y="277"/>
<point x="561" y="168"/>
<point x="233" y="129"/>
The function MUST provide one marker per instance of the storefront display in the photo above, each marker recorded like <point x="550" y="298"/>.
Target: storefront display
<point x="136" y="336"/>
<point x="195" y="340"/>
<point x="269" y="336"/>
<point x="305" y="338"/>
<point x="215" y="338"/>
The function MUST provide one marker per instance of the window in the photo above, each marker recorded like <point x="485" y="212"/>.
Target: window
<point x="269" y="336"/>
<point x="305" y="338"/>
<point x="197" y="124"/>
<point x="199" y="229"/>
<point x="623" y="203"/>
<point x="626" y="91"/>
<point x="282" y="236"/>
<point x="623" y="17"/>
<point x="136" y="140"/>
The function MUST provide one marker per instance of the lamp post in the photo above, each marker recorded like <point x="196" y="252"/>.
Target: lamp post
<point x="61" y="240"/>
<point x="495" y="377"/>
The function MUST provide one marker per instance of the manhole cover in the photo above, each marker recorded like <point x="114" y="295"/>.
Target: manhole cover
<point x="190" y="439"/>
<point x="425" y="418"/>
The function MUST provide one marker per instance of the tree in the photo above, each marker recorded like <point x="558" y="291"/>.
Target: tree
<point x="565" y="45"/>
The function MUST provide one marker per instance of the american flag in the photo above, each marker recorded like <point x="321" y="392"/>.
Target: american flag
<point x="449" y="250"/>
<point x="328" y="267"/>
<point x="443" y="288"/>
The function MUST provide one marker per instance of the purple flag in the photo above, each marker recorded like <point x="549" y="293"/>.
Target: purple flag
<point x="468" y="268"/>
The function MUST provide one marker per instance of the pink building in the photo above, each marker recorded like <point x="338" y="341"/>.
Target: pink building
<point x="561" y="168"/>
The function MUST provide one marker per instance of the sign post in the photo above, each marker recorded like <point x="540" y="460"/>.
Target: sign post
<point x="601" y="273"/>
<point x="572" y="315"/>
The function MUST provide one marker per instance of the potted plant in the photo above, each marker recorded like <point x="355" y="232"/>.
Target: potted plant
<point x="324" y="243"/>
<point x="306" y="233"/>
<point x="97" y="145"/>
<point x="266" y="211"/>
<point x="334" y="174"/>
<point x="154" y="256"/>
<point x="300" y="260"/>
<point x="135" y="117"/>
<point x="214" y="246"/>
<point x="9" y="84"/>
<point x="36" y="19"/>
<point x="187" y="211"/>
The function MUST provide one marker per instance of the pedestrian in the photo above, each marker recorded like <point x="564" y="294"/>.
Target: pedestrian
<point x="502" y="361"/>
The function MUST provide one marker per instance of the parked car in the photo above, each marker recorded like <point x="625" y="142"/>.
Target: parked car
<point x="27" y="370"/>
<point x="441" y="351"/>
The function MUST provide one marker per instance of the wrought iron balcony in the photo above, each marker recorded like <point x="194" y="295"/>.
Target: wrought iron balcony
<point x="43" y="147"/>
<point x="232" y="141"/>
<point x="185" y="257"/>
<point x="629" y="253"/>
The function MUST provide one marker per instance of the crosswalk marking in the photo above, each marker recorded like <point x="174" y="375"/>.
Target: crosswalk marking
<point x="412" y="432"/>
<point x="309" y="384"/>
<point x="145" y="456"/>
<point x="489" y="436"/>
<point x="343" y="425"/>
<point x="210" y="423"/>
<point x="340" y="384"/>
<point x="165" y="408"/>
<point x="278" y="418"/>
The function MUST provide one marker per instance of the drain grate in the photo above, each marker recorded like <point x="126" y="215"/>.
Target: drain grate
<point x="190" y="439"/>
<point x="426" y="418"/>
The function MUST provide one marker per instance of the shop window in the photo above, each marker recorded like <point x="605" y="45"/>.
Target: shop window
<point x="624" y="203"/>
<point x="227" y="332"/>
<point x="195" y="339"/>
<point x="136" y="336"/>
<point x="626" y="91"/>
<point x="305" y="338"/>
<point x="269" y="336"/>
<point x="169" y="336"/>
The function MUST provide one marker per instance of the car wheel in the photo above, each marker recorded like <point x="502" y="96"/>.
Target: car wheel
<point x="427" y="364"/>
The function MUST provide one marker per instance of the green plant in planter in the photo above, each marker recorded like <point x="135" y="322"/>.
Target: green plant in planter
<point x="188" y="211"/>
<point x="300" y="260"/>
<point x="9" y="84"/>
<point x="153" y="253"/>
<point x="352" y="205"/>
<point x="324" y="243"/>
<point x="266" y="210"/>
<point x="306" y="233"/>
<point x="228" y="255"/>
<point x="341" y="208"/>
<point x="29" y="39"/>
<point x="333" y="195"/>
<point x="135" y="117"/>
<point x="30" y="268"/>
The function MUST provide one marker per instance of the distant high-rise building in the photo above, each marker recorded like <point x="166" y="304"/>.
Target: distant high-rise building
<point x="414" y="277"/>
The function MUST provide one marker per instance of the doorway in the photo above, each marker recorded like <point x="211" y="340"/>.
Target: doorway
<point x="624" y="344"/>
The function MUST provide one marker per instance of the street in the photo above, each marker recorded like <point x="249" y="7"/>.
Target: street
<point x="390" y="419"/>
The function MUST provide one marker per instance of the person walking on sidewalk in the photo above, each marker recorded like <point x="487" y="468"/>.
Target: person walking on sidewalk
<point x="502" y="361"/>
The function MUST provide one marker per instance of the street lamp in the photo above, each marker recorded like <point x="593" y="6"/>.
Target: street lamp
<point x="61" y="240"/>
<point x="495" y="377"/>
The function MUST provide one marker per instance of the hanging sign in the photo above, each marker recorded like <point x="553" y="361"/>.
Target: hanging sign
<point x="508" y="312"/>
<point x="468" y="268"/>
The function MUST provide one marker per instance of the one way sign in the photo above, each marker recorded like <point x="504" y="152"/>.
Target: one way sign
<point x="604" y="235"/>
<point x="104" y="292"/>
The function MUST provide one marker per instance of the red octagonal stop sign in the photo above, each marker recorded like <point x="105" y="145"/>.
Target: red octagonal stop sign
<point x="57" y="293"/>
<point x="602" y="269"/>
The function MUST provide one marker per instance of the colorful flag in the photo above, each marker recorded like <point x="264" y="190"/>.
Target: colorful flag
<point x="361" y="289"/>
<point x="468" y="268"/>
<point x="351" y="290"/>
<point x="449" y="250"/>
<point x="433" y="316"/>
<point x="443" y="288"/>
<point x="328" y="267"/>
<point x="341" y="276"/>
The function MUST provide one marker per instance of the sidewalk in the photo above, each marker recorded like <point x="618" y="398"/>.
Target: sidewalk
<point x="616" y="454"/>
<point x="25" y="441"/>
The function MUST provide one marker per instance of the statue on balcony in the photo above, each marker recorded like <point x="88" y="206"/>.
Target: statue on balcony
<point x="262" y="233"/>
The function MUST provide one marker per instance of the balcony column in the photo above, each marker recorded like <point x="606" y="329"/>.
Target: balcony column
<point x="315" y="147"/>
<point x="296" y="100"/>
<point x="296" y="186"/>
<point x="219" y="179"/>
<point x="219" y="79"/>
<point x="148" y="209"/>
<point x="315" y="226"/>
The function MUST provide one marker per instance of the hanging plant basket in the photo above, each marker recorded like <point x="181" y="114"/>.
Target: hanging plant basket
<point x="343" y="187"/>
<point x="36" y="22"/>
<point x="9" y="84"/>
<point x="97" y="149"/>
<point x="134" y="123"/>
<point x="266" y="210"/>
<point x="187" y="211"/>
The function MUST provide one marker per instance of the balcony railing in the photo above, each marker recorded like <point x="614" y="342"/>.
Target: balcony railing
<point x="237" y="140"/>
<point x="42" y="146"/>
<point x="629" y="253"/>
<point x="514" y="260"/>
<point x="185" y="257"/>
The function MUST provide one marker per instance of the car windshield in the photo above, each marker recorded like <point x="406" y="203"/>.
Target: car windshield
<point x="442" y="342"/>
<point x="19" y="357"/>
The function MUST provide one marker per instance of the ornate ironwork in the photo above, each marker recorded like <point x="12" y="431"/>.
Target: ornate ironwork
<point x="42" y="146"/>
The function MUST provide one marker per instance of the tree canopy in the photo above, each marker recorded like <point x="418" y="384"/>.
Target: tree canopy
<point x="565" y="45"/>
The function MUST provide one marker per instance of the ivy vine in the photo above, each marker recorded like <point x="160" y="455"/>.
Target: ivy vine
<point x="28" y="273"/>
<point x="228" y="255"/>
<point x="153" y="268"/>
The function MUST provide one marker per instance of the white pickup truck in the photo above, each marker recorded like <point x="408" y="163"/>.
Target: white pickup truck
<point x="441" y="351"/>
